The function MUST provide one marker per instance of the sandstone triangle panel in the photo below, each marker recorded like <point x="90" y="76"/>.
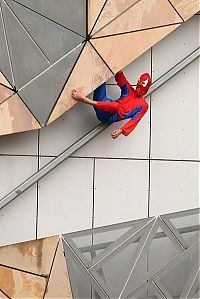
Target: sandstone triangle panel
<point x="144" y="14"/>
<point x="112" y="9"/>
<point x="94" y="9"/>
<point x="59" y="283"/>
<point x="186" y="8"/>
<point x="118" y="51"/>
<point x="33" y="256"/>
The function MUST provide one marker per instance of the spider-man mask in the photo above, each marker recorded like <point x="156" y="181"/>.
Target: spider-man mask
<point x="143" y="84"/>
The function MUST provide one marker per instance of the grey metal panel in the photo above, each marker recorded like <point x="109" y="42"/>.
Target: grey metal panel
<point x="5" y="66"/>
<point x="53" y="39"/>
<point x="71" y="14"/>
<point x="41" y="94"/>
<point x="27" y="59"/>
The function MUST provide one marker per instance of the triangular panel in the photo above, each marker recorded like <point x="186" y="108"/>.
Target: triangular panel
<point x="18" y="284"/>
<point x="119" y="50"/>
<point x="53" y="39"/>
<point x="59" y="284"/>
<point x="27" y="59"/>
<point x="94" y="9"/>
<point x="15" y="117"/>
<point x="112" y="9"/>
<point x="186" y="8"/>
<point x="41" y="94"/>
<point x="144" y="14"/>
<point x="5" y="66"/>
<point x="95" y="72"/>
<point x="2" y="296"/>
<point x="71" y="14"/>
<point x="33" y="256"/>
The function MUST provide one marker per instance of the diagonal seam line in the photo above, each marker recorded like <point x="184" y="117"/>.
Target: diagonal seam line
<point x="68" y="77"/>
<point x="101" y="58"/>
<point x="28" y="33"/>
<point x="176" y="10"/>
<point x="7" y="46"/>
<point x="103" y="6"/>
<point x="118" y="16"/>
<point x="5" y="294"/>
<point x="134" y="31"/>
<point x="52" y="264"/>
<point x="49" y="19"/>
<point x="88" y="136"/>
<point x="24" y="271"/>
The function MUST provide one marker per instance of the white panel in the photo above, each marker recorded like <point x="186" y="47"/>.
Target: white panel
<point x="174" y="187"/>
<point x="139" y="66"/>
<point x="175" y="116"/>
<point x="24" y="143"/>
<point x="17" y="220"/>
<point x="121" y="191"/>
<point x="67" y="129"/>
<point x="14" y="170"/>
<point x="175" y="47"/>
<point x="65" y="198"/>
<point x="136" y="145"/>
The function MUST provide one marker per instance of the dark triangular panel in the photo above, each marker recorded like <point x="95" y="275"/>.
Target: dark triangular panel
<point x="27" y="59"/>
<point x="68" y="13"/>
<point x="5" y="67"/>
<point x="53" y="39"/>
<point x="41" y="94"/>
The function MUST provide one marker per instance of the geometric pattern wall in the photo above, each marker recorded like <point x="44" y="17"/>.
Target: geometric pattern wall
<point x="49" y="47"/>
<point x="156" y="257"/>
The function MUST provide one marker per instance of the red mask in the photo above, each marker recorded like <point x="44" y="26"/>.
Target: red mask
<point x="143" y="84"/>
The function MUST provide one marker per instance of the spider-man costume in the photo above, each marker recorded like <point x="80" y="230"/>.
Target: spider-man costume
<point x="131" y="103"/>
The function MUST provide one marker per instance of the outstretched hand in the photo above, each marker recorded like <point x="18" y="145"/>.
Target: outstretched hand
<point x="77" y="95"/>
<point x="116" y="133"/>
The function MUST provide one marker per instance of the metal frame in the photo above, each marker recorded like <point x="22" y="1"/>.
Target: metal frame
<point x="89" y="136"/>
<point x="144" y="236"/>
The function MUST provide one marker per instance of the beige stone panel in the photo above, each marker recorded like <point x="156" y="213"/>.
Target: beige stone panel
<point x="4" y="81"/>
<point x="5" y="93"/>
<point x="112" y="9"/>
<point x="2" y="296"/>
<point x="59" y="284"/>
<point x="17" y="284"/>
<point x="144" y="14"/>
<point x="33" y="256"/>
<point x="94" y="8"/>
<point x="186" y="8"/>
<point x="118" y="51"/>
<point x="15" y="117"/>
<point x="89" y="72"/>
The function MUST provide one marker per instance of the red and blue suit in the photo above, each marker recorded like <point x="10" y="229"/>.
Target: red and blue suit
<point x="131" y="104"/>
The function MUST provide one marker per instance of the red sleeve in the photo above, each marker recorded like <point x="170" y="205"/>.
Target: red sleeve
<point x="132" y="123"/>
<point x="121" y="81"/>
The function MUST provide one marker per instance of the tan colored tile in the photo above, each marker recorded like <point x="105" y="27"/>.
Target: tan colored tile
<point x="144" y="14"/>
<point x="186" y="8"/>
<point x="89" y="72"/>
<point x="59" y="284"/>
<point x="5" y="93"/>
<point x="3" y="80"/>
<point x="2" y="296"/>
<point x="17" y="284"/>
<point x="118" y="51"/>
<point x="94" y="8"/>
<point x="112" y="9"/>
<point x="33" y="256"/>
<point x="15" y="117"/>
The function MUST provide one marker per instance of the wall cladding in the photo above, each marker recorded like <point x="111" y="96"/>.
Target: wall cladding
<point x="142" y="169"/>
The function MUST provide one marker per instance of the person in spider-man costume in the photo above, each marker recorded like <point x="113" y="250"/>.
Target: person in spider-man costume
<point x="131" y="103"/>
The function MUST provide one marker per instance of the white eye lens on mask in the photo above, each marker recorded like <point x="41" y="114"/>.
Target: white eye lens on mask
<point x="144" y="83"/>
